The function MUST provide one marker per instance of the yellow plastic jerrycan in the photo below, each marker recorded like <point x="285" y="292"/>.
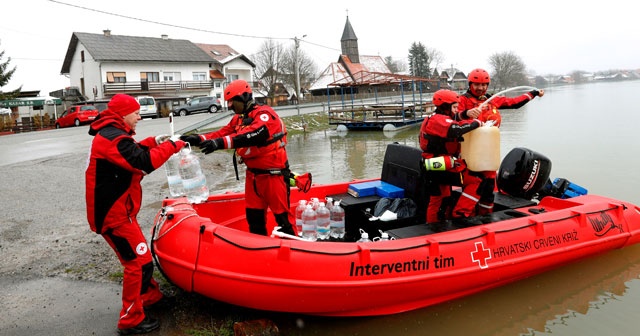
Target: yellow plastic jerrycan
<point x="481" y="148"/>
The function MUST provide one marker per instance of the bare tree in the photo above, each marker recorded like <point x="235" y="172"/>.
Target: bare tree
<point x="307" y="68"/>
<point x="434" y="58"/>
<point x="508" y="70"/>
<point x="269" y="59"/>
<point x="578" y="76"/>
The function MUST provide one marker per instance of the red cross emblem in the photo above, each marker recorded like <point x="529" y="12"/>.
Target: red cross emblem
<point x="481" y="255"/>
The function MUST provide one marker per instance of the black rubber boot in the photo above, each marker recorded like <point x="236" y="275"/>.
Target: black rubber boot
<point x="283" y="221"/>
<point x="147" y="325"/>
<point x="257" y="221"/>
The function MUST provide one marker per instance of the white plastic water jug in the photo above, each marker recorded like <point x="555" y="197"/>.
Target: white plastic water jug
<point x="481" y="149"/>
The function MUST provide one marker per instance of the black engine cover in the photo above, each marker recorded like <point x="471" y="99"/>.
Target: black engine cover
<point x="523" y="173"/>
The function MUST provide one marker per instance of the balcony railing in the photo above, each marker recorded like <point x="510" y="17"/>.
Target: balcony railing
<point x="148" y="87"/>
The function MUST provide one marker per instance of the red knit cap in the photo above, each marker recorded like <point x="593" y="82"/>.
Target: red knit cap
<point x="123" y="104"/>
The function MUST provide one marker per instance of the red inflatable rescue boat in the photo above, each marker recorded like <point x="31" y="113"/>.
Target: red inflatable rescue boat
<point x="536" y="226"/>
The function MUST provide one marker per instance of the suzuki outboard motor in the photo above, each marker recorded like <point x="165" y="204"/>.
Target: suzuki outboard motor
<point x="523" y="173"/>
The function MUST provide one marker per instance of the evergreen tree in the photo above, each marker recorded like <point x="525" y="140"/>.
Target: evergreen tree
<point x="5" y="76"/>
<point x="419" y="60"/>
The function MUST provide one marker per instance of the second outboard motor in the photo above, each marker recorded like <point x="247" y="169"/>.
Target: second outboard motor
<point x="523" y="173"/>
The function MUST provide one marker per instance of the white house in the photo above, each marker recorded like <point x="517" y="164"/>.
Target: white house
<point x="171" y="70"/>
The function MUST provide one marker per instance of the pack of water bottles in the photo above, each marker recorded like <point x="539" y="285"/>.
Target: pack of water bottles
<point x="185" y="177"/>
<point x="317" y="220"/>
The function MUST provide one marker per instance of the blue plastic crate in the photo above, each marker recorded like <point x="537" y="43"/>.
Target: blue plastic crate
<point x="389" y="190"/>
<point x="363" y="189"/>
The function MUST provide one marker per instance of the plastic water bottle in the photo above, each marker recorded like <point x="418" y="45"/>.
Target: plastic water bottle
<point x="302" y="204"/>
<point x="337" y="221"/>
<point x="324" y="222"/>
<point x="309" y="221"/>
<point x="364" y="237"/>
<point x="383" y="236"/>
<point x="314" y="201"/>
<point x="172" y="167"/>
<point x="328" y="203"/>
<point x="193" y="180"/>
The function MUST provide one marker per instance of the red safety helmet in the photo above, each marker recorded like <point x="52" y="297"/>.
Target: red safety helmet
<point x="237" y="88"/>
<point x="479" y="76"/>
<point x="445" y="97"/>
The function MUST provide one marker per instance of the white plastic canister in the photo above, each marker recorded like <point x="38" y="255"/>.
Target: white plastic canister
<point x="481" y="149"/>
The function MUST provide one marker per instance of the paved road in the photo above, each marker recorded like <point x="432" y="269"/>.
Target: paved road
<point x="27" y="146"/>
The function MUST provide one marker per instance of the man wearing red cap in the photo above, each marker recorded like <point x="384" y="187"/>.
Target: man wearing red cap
<point x="477" y="192"/>
<point x="116" y="165"/>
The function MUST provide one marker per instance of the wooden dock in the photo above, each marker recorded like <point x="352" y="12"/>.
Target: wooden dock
<point x="384" y="116"/>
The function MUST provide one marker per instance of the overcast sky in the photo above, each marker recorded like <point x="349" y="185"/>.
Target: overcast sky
<point x="549" y="36"/>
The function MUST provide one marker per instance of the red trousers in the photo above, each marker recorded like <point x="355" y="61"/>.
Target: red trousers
<point x="477" y="194"/>
<point x="264" y="191"/>
<point x="267" y="191"/>
<point x="435" y="204"/>
<point x="139" y="289"/>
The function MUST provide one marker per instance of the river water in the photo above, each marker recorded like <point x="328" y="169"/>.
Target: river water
<point x="589" y="133"/>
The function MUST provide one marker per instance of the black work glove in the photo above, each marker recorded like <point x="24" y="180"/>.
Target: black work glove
<point x="535" y="93"/>
<point x="209" y="146"/>
<point x="193" y="139"/>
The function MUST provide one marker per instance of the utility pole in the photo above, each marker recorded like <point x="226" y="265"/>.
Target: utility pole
<point x="297" y="71"/>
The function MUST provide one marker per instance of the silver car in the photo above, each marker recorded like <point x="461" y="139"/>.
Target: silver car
<point x="198" y="104"/>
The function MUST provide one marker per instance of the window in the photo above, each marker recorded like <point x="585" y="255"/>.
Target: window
<point x="172" y="76"/>
<point x="82" y="56"/>
<point x="218" y="84"/>
<point x="199" y="76"/>
<point x="232" y="77"/>
<point x="149" y="77"/>
<point x="116" y="77"/>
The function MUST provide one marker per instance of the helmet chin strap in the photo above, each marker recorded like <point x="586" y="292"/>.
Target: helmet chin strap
<point x="248" y="106"/>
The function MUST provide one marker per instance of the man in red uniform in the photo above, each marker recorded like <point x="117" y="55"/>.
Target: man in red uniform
<point x="116" y="165"/>
<point x="258" y="136"/>
<point x="477" y="194"/>
<point x="439" y="139"/>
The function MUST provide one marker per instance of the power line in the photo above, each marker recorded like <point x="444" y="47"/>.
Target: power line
<point x="185" y="27"/>
<point x="165" y="24"/>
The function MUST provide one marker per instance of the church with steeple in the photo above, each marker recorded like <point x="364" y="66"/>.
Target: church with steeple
<point x="351" y="68"/>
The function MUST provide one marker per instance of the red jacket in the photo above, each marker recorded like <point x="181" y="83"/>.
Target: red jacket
<point x="115" y="168"/>
<point x="259" y="138"/>
<point x="440" y="135"/>
<point x="469" y="101"/>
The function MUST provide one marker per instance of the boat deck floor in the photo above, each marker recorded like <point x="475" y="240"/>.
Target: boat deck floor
<point x="505" y="205"/>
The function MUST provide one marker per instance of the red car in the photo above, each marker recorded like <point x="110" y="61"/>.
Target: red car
<point x="77" y="115"/>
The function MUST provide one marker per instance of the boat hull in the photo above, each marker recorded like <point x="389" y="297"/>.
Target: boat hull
<point x="205" y="248"/>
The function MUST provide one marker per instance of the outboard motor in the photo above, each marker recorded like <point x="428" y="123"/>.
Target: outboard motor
<point x="523" y="173"/>
<point x="562" y="188"/>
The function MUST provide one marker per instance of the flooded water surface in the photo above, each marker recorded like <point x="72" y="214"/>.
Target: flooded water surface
<point x="589" y="133"/>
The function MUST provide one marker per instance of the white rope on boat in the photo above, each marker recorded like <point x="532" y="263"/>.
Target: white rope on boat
<point x="164" y="216"/>
<point x="517" y="88"/>
<point x="277" y="233"/>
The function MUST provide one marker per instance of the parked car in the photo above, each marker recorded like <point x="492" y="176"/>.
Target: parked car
<point x="198" y="104"/>
<point x="77" y="115"/>
<point x="148" y="107"/>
